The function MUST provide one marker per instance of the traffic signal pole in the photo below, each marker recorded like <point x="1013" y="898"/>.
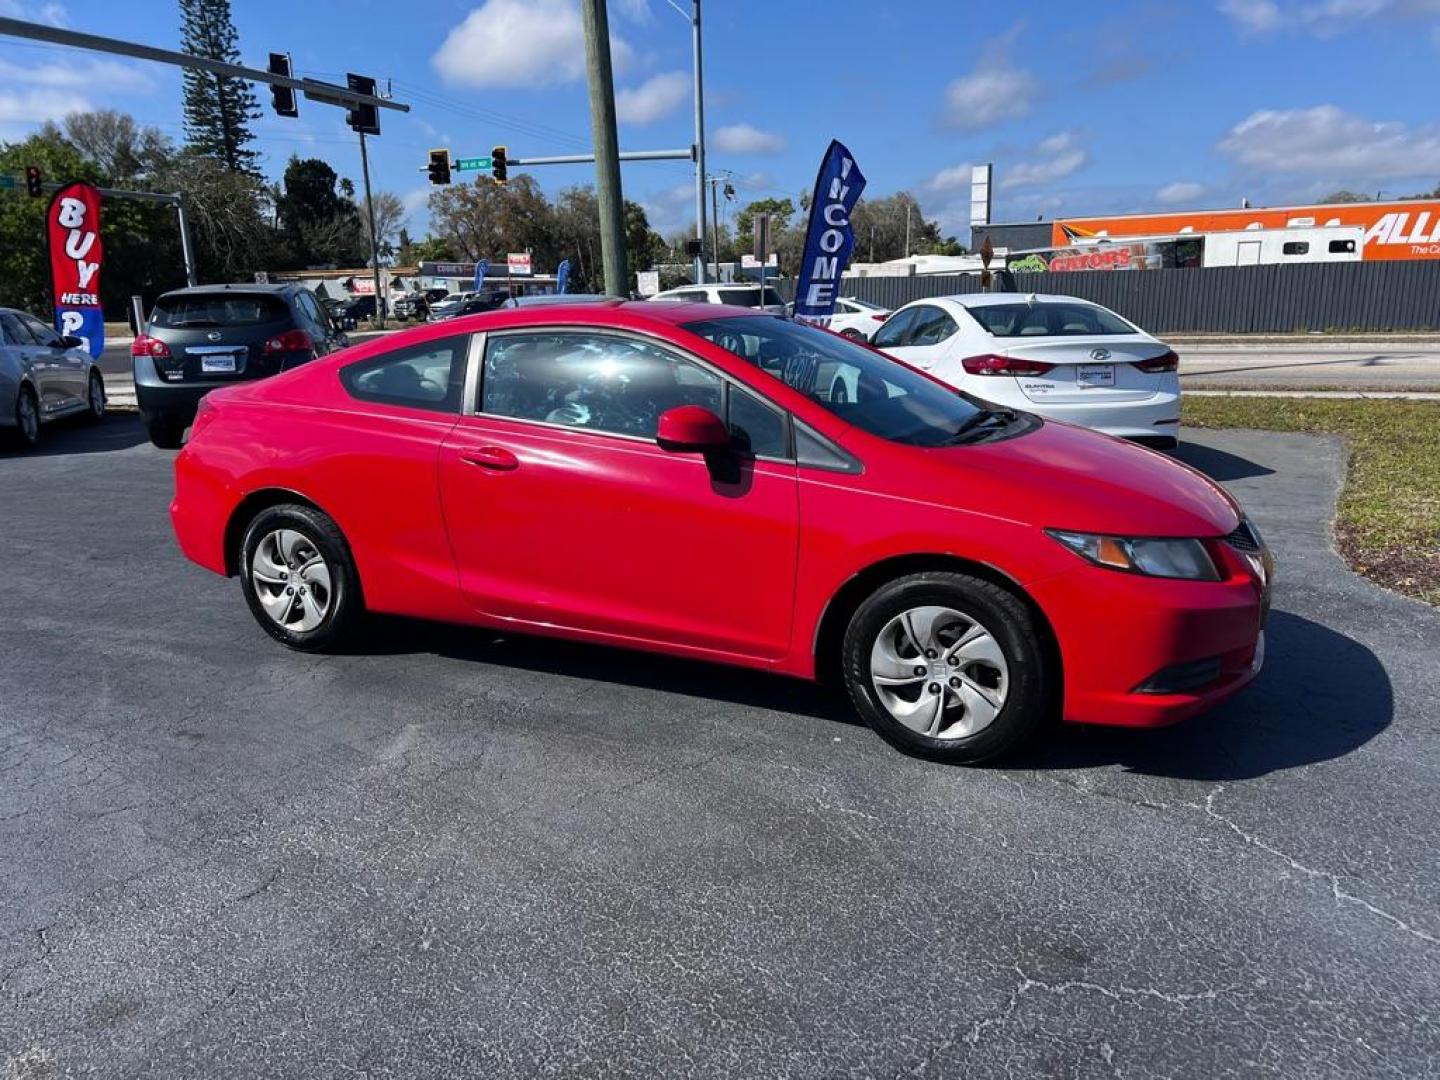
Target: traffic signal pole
<point x="607" y="144"/>
<point x="374" y="240"/>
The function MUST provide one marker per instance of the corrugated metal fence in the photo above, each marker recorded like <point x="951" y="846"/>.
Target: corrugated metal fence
<point x="1243" y="299"/>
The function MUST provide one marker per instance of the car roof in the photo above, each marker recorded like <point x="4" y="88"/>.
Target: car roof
<point x="610" y="312"/>
<point x="987" y="299"/>
<point x="239" y="286"/>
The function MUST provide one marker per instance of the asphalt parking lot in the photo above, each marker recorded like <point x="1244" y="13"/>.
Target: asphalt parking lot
<point x="446" y="852"/>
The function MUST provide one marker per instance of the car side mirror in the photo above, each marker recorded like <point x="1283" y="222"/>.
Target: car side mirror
<point x="70" y="341"/>
<point x="691" y="429"/>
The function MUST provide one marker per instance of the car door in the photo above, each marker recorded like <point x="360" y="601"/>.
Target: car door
<point x="928" y="337"/>
<point x="16" y="342"/>
<point x="65" y="369"/>
<point x="564" y="512"/>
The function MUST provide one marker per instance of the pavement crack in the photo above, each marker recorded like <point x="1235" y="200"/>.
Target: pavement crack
<point x="1341" y="894"/>
<point x="258" y="889"/>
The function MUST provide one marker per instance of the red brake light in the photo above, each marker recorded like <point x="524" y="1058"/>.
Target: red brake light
<point x="990" y="364"/>
<point x="879" y="318"/>
<point x="290" y="341"/>
<point x="1166" y="361"/>
<point x="145" y="345"/>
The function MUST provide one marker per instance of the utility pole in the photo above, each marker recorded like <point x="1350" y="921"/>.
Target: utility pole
<point x="607" y="149"/>
<point x="699" y="146"/>
<point x="715" y="224"/>
<point x="907" y="230"/>
<point x="374" y="240"/>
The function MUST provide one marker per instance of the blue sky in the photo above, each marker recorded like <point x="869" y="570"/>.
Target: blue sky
<point x="1083" y="107"/>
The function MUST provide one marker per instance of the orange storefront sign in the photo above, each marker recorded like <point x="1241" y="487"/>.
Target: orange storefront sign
<point x="1393" y="230"/>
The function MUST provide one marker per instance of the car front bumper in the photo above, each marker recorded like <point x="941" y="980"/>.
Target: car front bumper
<point x="1146" y="652"/>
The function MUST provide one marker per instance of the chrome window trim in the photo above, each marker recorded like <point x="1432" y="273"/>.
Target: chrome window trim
<point x="474" y="358"/>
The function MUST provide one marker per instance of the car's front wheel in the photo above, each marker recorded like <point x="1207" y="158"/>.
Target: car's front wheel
<point x="948" y="666"/>
<point x="298" y="577"/>
<point x="95" y="397"/>
<point x="27" y="419"/>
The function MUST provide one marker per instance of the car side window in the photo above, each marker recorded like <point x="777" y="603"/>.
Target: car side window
<point x="600" y="382"/>
<point x="14" y="331"/>
<point x="311" y="311"/>
<point x="932" y="326"/>
<point x="425" y="376"/>
<point x="42" y="334"/>
<point x="895" y="328"/>
<point x="756" y="427"/>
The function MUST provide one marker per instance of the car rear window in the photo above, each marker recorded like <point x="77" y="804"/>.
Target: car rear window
<point x="1048" y="319"/>
<point x="748" y="297"/>
<point x="217" y="309"/>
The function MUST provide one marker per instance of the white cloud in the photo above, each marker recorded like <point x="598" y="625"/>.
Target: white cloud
<point x="1329" y="141"/>
<point x="1058" y="157"/>
<point x="80" y="74"/>
<point x="635" y="10"/>
<point x="995" y="91"/>
<point x="50" y="14"/>
<point x="654" y="99"/>
<point x="1181" y="191"/>
<point x="671" y="209"/>
<point x="520" y="43"/>
<point x="1321" y="18"/>
<point x="37" y="106"/>
<point x="746" y="139"/>
<point x="951" y="179"/>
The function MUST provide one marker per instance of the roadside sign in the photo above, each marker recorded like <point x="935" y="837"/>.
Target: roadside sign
<point x="262" y="277"/>
<point x="472" y="163"/>
<point x="518" y="262"/>
<point x="647" y="282"/>
<point x="8" y="181"/>
<point x="750" y="262"/>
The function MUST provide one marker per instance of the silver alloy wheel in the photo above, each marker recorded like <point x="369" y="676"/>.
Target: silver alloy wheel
<point x="97" y="397"/>
<point x="291" y="580"/>
<point x="939" y="672"/>
<point x="27" y="417"/>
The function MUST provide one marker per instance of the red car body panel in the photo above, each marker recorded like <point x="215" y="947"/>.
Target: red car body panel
<point x="612" y="539"/>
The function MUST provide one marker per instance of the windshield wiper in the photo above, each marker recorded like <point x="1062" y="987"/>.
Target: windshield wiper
<point x="982" y="419"/>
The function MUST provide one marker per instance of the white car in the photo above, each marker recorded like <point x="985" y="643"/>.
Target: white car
<point x="1056" y="356"/>
<point x="720" y="293"/>
<point x="449" y="305"/>
<point x="857" y="318"/>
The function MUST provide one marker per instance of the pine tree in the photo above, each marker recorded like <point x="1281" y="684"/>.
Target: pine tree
<point x="218" y="110"/>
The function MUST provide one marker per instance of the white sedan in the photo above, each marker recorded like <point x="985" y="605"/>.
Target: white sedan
<point x="1057" y="356"/>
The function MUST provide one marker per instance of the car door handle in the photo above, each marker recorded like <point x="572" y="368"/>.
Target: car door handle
<point x="490" y="457"/>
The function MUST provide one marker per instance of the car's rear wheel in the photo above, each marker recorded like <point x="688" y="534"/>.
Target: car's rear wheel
<point x="95" y="397"/>
<point x="298" y="577"/>
<point x="166" y="434"/>
<point x="948" y="666"/>
<point x="27" y="419"/>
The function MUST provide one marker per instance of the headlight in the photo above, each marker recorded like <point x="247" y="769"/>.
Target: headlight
<point x="1166" y="558"/>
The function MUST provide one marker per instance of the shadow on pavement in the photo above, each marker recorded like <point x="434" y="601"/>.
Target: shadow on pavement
<point x="1218" y="464"/>
<point x="1320" y="696"/>
<point x="552" y="656"/>
<point x="118" y="431"/>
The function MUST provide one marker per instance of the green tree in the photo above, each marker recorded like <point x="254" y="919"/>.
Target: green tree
<point x="319" y="225"/>
<point x="24" y="252"/>
<point x="1345" y="195"/>
<point x="781" y="211"/>
<point x="485" y="220"/>
<point x="218" y="109"/>
<point x="432" y="249"/>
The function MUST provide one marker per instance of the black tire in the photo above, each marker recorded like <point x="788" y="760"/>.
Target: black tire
<point x="1033" y="679"/>
<point x="25" y="435"/>
<point x="95" y="398"/>
<point x="166" y="434"/>
<point x="346" y="606"/>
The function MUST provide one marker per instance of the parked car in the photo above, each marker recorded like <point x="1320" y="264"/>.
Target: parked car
<point x="203" y="338"/>
<point x="677" y="478"/>
<point x="479" y="303"/>
<point x="416" y="305"/>
<point x="363" y="307"/>
<point x="736" y="295"/>
<point x="1058" y="356"/>
<point x="335" y="309"/>
<point x="43" y="377"/>
<point x="854" y="319"/>
<point x="449" y="305"/>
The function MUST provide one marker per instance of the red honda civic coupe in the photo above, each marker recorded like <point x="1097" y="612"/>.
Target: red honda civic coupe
<point x="675" y="477"/>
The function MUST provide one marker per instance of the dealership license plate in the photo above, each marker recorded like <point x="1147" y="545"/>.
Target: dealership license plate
<point x="218" y="363"/>
<point x="1095" y="375"/>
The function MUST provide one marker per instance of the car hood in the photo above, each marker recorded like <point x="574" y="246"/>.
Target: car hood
<point x="1066" y="477"/>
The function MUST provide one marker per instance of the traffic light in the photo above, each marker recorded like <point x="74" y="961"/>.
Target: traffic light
<point x="32" y="180"/>
<point x="282" y="97"/>
<point x="498" y="164"/>
<point x="362" y="118"/>
<point x="439" y="167"/>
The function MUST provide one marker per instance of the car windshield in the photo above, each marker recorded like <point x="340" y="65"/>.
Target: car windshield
<point x="858" y="385"/>
<point x="1046" y="318"/>
<point x="217" y="309"/>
